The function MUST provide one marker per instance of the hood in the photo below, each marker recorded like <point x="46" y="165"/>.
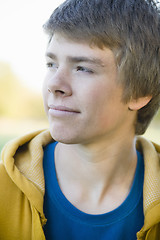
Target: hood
<point x="151" y="189"/>
<point x="23" y="159"/>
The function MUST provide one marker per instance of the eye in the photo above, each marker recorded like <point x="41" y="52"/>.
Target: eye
<point x="84" y="69"/>
<point x="51" y="65"/>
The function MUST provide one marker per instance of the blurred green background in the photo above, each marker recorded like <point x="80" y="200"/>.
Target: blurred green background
<point x="21" y="109"/>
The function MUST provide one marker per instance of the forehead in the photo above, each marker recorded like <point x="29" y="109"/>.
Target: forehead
<point x="63" y="46"/>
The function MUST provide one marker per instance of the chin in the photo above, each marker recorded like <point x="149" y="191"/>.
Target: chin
<point x="63" y="137"/>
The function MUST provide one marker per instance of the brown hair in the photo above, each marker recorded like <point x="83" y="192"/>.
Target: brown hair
<point x="131" y="28"/>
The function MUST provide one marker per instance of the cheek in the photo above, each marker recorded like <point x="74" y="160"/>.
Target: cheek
<point x="45" y="94"/>
<point x="103" y="105"/>
<point x="96" y="105"/>
<point x="97" y="97"/>
<point x="44" y="86"/>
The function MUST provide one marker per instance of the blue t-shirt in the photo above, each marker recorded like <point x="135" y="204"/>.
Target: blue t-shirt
<point x="64" y="221"/>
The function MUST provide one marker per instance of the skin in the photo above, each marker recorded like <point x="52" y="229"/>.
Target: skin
<point x="95" y="158"/>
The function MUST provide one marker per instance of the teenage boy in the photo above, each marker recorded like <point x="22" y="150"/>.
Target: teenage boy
<point x="89" y="176"/>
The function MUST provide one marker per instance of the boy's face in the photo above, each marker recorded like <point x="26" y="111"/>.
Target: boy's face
<point x="81" y="96"/>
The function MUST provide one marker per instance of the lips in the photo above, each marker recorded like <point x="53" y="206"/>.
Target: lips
<point x="61" y="110"/>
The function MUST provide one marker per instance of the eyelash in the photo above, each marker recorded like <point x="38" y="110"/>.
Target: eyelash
<point x="84" y="69"/>
<point x="78" y="68"/>
<point x="50" y="65"/>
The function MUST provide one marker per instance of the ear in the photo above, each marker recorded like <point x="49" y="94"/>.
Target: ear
<point x="136" y="104"/>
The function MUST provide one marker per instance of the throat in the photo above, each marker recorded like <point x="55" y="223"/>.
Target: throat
<point x="93" y="186"/>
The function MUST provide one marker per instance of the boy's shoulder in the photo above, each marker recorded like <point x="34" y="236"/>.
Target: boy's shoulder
<point x="21" y="195"/>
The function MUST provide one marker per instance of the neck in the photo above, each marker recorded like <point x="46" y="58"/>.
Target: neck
<point x="96" y="169"/>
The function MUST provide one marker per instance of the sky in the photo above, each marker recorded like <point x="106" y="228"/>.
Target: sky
<point x="22" y="40"/>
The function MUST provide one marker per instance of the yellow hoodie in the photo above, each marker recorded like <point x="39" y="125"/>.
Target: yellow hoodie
<point x="22" y="188"/>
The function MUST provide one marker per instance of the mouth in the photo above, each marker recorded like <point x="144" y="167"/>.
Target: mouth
<point x="61" y="110"/>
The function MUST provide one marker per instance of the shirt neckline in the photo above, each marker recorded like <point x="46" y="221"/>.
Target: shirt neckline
<point x="126" y="208"/>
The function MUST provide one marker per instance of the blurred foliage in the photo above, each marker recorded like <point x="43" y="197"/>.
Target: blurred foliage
<point x="157" y="117"/>
<point x="16" y="100"/>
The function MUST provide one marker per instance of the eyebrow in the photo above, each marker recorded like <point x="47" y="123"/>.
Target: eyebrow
<point x="79" y="59"/>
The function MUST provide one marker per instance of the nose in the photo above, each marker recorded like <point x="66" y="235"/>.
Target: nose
<point x="59" y="83"/>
